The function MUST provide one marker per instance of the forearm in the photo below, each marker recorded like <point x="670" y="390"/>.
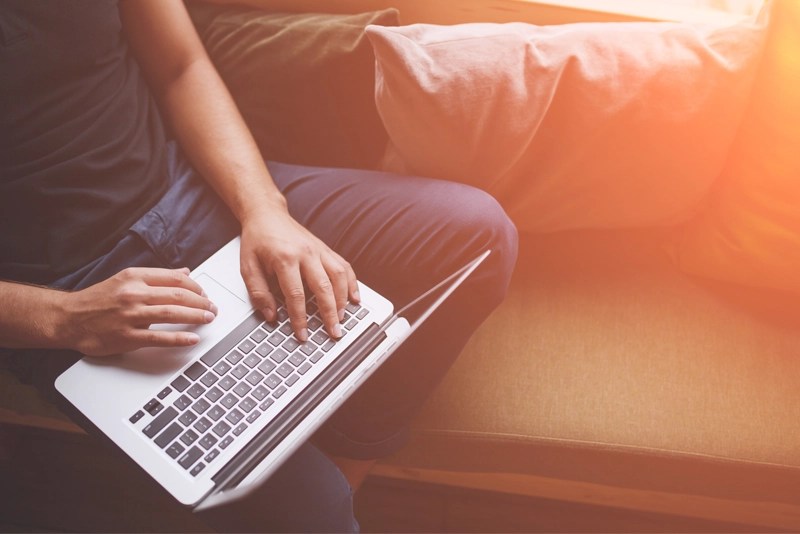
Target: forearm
<point x="31" y="316"/>
<point x="217" y="141"/>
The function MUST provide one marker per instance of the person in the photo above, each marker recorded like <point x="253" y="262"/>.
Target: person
<point x="125" y="163"/>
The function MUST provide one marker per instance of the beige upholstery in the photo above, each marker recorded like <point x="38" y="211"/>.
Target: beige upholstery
<point x="608" y="367"/>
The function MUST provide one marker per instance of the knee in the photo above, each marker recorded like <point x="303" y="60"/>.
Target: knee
<point x="483" y="224"/>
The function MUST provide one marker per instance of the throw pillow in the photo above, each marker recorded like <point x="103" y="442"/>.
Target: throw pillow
<point x="304" y="82"/>
<point x="578" y="125"/>
<point x="750" y="232"/>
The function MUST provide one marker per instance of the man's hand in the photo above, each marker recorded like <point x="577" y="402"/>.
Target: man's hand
<point x="115" y="315"/>
<point x="273" y="243"/>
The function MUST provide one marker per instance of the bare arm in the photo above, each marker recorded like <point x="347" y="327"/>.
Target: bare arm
<point x="110" y="317"/>
<point x="215" y="138"/>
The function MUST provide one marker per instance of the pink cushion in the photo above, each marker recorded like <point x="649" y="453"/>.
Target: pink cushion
<point x="579" y="125"/>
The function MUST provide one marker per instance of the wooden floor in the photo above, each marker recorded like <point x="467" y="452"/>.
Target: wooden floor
<point x="52" y="482"/>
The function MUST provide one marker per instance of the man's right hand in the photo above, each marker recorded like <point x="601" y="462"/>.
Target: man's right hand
<point x="115" y="315"/>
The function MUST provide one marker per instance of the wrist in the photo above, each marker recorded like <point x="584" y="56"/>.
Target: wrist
<point x="57" y="326"/>
<point x="262" y="207"/>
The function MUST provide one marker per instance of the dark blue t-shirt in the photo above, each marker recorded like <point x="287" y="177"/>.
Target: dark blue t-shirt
<point x="82" y="152"/>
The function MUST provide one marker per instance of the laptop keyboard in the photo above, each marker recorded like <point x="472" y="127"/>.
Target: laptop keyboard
<point x="214" y="400"/>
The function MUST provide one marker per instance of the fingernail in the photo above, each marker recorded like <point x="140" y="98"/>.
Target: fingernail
<point x="214" y="309"/>
<point x="356" y="294"/>
<point x="208" y="316"/>
<point x="302" y="335"/>
<point x="203" y="293"/>
<point x="269" y="314"/>
<point x="341" y="315"/>
<point x="192" y="338"/>
<point x="337" y="331"/>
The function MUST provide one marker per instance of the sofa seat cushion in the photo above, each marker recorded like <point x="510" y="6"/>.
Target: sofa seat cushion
<point x="607" y="366"/>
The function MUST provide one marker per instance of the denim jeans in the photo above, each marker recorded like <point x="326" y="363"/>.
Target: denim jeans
<point x="402" y="235"/>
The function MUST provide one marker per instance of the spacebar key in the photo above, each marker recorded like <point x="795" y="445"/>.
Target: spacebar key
<point x="157" y="424"/>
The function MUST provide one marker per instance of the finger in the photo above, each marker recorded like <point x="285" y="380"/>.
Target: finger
<point x="167" y="278"/>
<point x="180" y="296"/>
<point x="161" y="338"/>
<point x="258" y="288"/>
<point x="173" y="315"/>
<point x="350" y="280"/>
<point x="322" y="287"/>
<point x="291" y="285"/>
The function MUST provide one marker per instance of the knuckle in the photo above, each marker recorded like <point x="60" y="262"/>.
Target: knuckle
<point x="295" y="294"/>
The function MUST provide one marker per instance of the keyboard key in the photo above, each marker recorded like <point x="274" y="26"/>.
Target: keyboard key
<point x="202" y="425"/>
<point x="222" y="367"/>
<point x="273" y="381"/>
<point x="320" y="337"/>
<point x="209" y="379"/>
<point x="208" y="441"/>
<point x="135" y="417"/>
<point x="168" y="435"/>
<point x="196" y="390"/>
<point x="229" y="400"/>
<point x="291" y="380"/>
<point x="247" y="405"/>
<point x="164" y="393"/>
<point x="225" y="442"/>
<point x="234" y="416"/>
<point x="196" y="469"/>
<point x="213" y="394"/>
<point x="234" y="357"/>
<point x="175" y="449"/>
<point x="328" y="345"/>
<point x="303" y="369"/>
<point x="307" y="348"/>
<point x="350" y="324"/>
<point x="253" y="416"/>
<point x="276" y="339"/>
<point x="260" y="393"/>
<point x="362" y="313"/>
<point x="240" y="371"/>
<point x="200" y="406"/>
<point x="158" y="424"/>
<point x="195" y="371"/>
<point x="191" y="456"/>
<point x="189" y="437"/>
<point x="352" y="307"/>
<point x="180" y="383"/>
<point x="153" y="407"/>
<point x="284" y="370"/>
<point x="279" y="355"/>
<point x="317" y="356"/>
<point x="252" y="360"/>
<point x="264" y="349"/>
<point x="188" y="418"/>
<point x="211" y="455"/>
<point x="314" y="324"/>
<point x="246" y="346"/>
<point x="182" y="402"/>
<point x="254" y="378"/>
<point x="221" y="428"/>
<point x="283" y="315"/>
<point x="242" y="389"/>
<point x="227" y="382"/>
<point x="239" y="429"/>
<point x="286" y="329"/>
<point x="215" y="413"/>
<point x="297" y="359"/>
<point x="258" y="335"/>
<point x="211" y="357"/>
<point x="290" y="344"/>
<point x="266" y="367"/>
<point x="278" y="392"/>
<point x="266" y="404"/>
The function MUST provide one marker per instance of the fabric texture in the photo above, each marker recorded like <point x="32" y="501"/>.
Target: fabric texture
<point x="750" y="230"/>
<point x="81" y="140"/>
<point x="578" y="125"/>
<point x="304" y="82"/>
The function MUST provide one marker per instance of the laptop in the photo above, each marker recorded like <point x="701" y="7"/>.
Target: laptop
<point x="211" y="422"/>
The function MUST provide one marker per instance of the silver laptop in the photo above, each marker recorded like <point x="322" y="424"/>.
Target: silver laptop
<point x="210" y="423"/>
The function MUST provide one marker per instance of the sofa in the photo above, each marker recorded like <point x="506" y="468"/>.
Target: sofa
<point x="618" y="388"/>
